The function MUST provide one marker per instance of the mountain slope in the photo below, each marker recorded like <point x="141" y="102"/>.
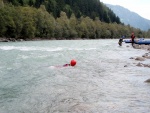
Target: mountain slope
<point x="90" y="8"/>
<point x="131" y="18"/>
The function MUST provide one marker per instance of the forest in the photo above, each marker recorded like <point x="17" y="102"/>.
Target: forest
<point x="61" y="19"/>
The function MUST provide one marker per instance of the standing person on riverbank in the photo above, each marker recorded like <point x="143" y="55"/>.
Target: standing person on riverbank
<point x="132" y="38"/>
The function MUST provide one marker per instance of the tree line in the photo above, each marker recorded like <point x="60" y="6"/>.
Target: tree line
<point x="25" y="22"/>
<point x="90" y="8"/>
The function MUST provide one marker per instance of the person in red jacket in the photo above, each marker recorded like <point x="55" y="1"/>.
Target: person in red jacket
<point x="132" y="38"/>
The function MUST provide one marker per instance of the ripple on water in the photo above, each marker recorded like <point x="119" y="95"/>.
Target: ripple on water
<point x="32" y="79"/>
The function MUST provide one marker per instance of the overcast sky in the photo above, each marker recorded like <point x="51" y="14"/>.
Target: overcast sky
<point x="141" y="7"/>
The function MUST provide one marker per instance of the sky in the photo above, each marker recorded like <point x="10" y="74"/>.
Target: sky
<point x="141" y="7"/>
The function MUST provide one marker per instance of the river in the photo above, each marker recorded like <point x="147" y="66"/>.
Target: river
<point x="104" y="80"/>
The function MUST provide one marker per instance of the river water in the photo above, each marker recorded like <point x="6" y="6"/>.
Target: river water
<point x="32" y="79"/>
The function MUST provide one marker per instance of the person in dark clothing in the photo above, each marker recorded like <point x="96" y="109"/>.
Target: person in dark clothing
<point x="132" y="38"/>
<point x="120" y="41"/>
<point x="65" y="65"/>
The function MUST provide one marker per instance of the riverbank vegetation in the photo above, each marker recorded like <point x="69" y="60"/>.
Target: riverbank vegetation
<point x="32" y="19"/>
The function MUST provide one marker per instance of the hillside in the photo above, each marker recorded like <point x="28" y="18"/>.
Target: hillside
<point x="90" y="8"/>
<point x="128" y="17"/>
<point x="70" y="19"/>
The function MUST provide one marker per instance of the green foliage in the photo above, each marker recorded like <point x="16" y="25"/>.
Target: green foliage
<point x="7" y="24"/>
<point x="72" y="26"/>
<point x="63" y="21"/>
<point x="1" y="4"/>
<point x="44" y="23"/>
<point x="28" y="22"/>
<point x="51" y="6"/>
<point x="90" y="8"/>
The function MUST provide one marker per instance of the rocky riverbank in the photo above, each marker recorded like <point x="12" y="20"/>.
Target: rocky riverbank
<point x="144" y="57"/>
<point x="36" y="39"/>
<point x="10" y="40"/>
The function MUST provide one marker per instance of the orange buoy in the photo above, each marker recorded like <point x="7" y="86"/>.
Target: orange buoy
<point x="73" y="62"/>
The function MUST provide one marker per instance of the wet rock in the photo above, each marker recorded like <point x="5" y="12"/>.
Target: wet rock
<point x="143" y="65"/>
<point x="148" y="48"/>
<point x="4" y="40"/>
<point x="146" y="65"/>
<point x="140" y="59"/>
<point x="146" y="54"/>
<point x="148" y="57"/>
<point x="20" y="40"/>
<point x="136" y="46"/>
<point x="143" y="46"/>
<point x="139" y="64"/>
<point x="132" y="58"/>
<point x="148" y="80"/>
<point x="10" y="40"/>
<point x="125" y="66"/>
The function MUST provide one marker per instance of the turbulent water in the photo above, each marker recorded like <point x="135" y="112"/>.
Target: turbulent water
<point x="32" y="79"/>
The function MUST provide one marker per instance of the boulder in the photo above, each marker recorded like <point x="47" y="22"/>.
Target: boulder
<point x="131" y="57"/>
<point x="140" y="59"/>
<point x="139" y="64"/>
<point x="148" y="81"/>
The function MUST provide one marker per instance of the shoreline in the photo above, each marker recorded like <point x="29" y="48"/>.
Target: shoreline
<point x="20" y="40"/>
<point x="37" y="39"/>
<point x="42" y="39"/>
<point x="144" y="57"/>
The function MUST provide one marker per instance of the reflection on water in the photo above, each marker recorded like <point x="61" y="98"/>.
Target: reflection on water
<point x="30" y="81"/>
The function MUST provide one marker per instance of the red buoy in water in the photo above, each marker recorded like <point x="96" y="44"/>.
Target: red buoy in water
<point x="73" y="62"/>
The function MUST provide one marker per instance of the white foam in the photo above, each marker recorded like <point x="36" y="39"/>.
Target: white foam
<point x="24" y="57"/>
<point x="6" y="47"/>
<point x="51" y="67"/>
<point x="81" y="49"/>
<point x="32" y="48"/>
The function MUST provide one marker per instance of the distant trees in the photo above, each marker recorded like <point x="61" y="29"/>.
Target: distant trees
<point x="63" y="23"/>
<point x="1" y="4"/>
<point x="90" y="8"/>
<point x="45" y="23"/>
<point x="28" y="22"/>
